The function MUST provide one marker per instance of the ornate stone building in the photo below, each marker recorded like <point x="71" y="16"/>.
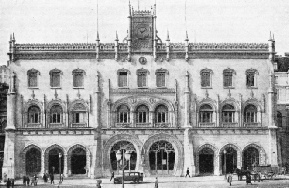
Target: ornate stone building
<point x="170" y="106"/>
<point x="282" y="114"/>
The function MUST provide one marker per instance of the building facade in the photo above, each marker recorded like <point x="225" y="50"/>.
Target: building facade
<point x="282" y="113"/>
<point x="167" y="106"/>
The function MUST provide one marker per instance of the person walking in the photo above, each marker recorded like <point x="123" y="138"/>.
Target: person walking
<point x="61" y="177"/>
<point x="45" y="178"/>
<point x="248" y="178"/>
<point x="112" y="176"/>
<point x="52" y="178"/>
<point x="157" y="183"/>
<point x="8" y="183"/>
<point x="12" y="183"/>
<point x="230" y="178"/>
<point x="188" y="173"/>
<point x="27" y="180"/>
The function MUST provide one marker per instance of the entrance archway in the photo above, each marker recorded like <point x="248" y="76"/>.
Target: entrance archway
<point x="78" y="161"/>
<point x="162" y="158"/>
<point x="250" y="157"/>
<point x="53" y="160"/>
<point x="206" y="161"/>
<point x="123" y="146"/>
<point x="32" y="161"/>
<point x="231" y="160"/>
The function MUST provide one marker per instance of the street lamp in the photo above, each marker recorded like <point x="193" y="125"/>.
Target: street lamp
<point x="125" y="157"/>
<point x="60" y="155"/>
<point x="225" y="165"/>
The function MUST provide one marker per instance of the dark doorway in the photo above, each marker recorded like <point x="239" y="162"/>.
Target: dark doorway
<point x="162" y="158"/>
<point x="250" y="158"/>
<point x="53" y="161"/>
<point x="231" y="160"/>
<point x="206" y="161"/>
<point x="33" y="161"/>
<point x="78" y="161"/>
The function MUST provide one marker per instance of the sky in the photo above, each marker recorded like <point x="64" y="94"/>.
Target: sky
<point x="213" y="21"/>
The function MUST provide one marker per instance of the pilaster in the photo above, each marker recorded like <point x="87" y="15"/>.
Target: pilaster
<point x="188" y="153"/>
<point x="65" y="165"/>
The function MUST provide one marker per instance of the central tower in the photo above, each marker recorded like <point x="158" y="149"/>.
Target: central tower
<point x="142" y="29"/>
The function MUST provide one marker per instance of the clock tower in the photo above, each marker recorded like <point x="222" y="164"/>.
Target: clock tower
<point x="142" y="29"/>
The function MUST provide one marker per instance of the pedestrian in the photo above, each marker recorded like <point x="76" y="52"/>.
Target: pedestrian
<point x="32" y="180"/>
<point x="230" y="178"/>
<point x="248" y="178"/>
<point x="27" y="180"/>
<point x="156" y="183"/>
<point x="61" y="177"/>
<point x="36" y="180"/>
<point x="188" y="173"/>
<point x="24" y="180"/>
<point x="112" y="175"/>
<point x="51" y="178"/>
<point x="8" y="183"/>
<point x="12" y="183"/>
<point x="44" y="177"/>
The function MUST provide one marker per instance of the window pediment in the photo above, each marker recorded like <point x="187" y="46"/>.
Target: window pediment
<point x="55" y="71"/>
<point x="78" y="71"/>
<point x="33" y="71"/>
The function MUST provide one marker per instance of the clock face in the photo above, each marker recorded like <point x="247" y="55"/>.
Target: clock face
<point x="142" y="60"/>
<point x="143" y="32"/>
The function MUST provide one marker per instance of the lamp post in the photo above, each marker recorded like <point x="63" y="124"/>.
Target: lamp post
<point x="60" y="155"/>
<point x="124" y="158"/>
<point x="225" y="164"/>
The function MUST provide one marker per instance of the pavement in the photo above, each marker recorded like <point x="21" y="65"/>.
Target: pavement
<point x="167" y="182"/>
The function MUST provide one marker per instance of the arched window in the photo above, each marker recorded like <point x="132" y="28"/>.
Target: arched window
<point x="33" y="78"/>
<point x="228" y="78"/>
<point x="33" y="114"/>
<point x="250" y="114"/>
<point x="251" y="78"/>
<point x="228" y="114"/>
<point x="279" y="119"/>
<point x="78" y="78"/>
<point x="55" y="78"/>
<point x="56" y="114"/>
<point x="206" y="78"/>
<point x="79" y="115"/>
<point x="206" y="114"/>
<point x="161" y="114"/>
<point x="123" y="113"/>
<point x="142" y="113"/>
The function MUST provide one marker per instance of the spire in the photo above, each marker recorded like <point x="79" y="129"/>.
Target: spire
<point x="116" y="36"/>
<point x="10" y="37"/>
<point x="97" y="37"/>
<point x="168" y="36"/>
<point x="273" y="38"/>
<point x="13" y="38"/>
<point x="187" y="37"/>
<point x="270" y="37"/>
<point x="129" y="7"/>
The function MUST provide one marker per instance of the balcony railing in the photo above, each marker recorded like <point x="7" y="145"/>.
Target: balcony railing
<point x="78" y="125"/>
<point x="143" y="124"/>
<point x="252" y="124"/>
<point x="33" y="125"/>
<point x="56" y="125"/>
<point x="122" y="125"/>
<point x="228" y="124"/>
<point x="205" y="124"/>
<point x="162" y="125"/>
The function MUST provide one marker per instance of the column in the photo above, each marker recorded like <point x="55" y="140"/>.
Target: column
<point x="151" y="118"/>
<point x="188" y="153"/>
<point x="272" y="138"/>
<point x="9" y="147"/>
<point x="42" y="163"/>
<point x="187" y="102"/>
<point x="65" y="165"/>
<point x="88" y="163"/>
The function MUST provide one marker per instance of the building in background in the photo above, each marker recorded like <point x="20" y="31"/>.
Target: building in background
<point x="166" y="106"/>
<point x="3" y="110"/>
<point x="282" y="114"/>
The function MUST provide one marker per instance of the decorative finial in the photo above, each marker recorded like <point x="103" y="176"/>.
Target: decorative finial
<point x="273" y="37"/>
<point x="55" y="94"/>
<point x="168" y="36"/>
<point x="13" y="38"/>
<point x="187" y="37"/>
<point x="78" y="94"/>
<point x="116" y="36"/>
<point x="10" y="37"/>
<point x="207" y="93"/>
<point x="33" y="94"/>
<point x="229" y="93"/>
<point x="252" y="93"/>
<point x="270" y="37"/>
<point x="97" y="36"/>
